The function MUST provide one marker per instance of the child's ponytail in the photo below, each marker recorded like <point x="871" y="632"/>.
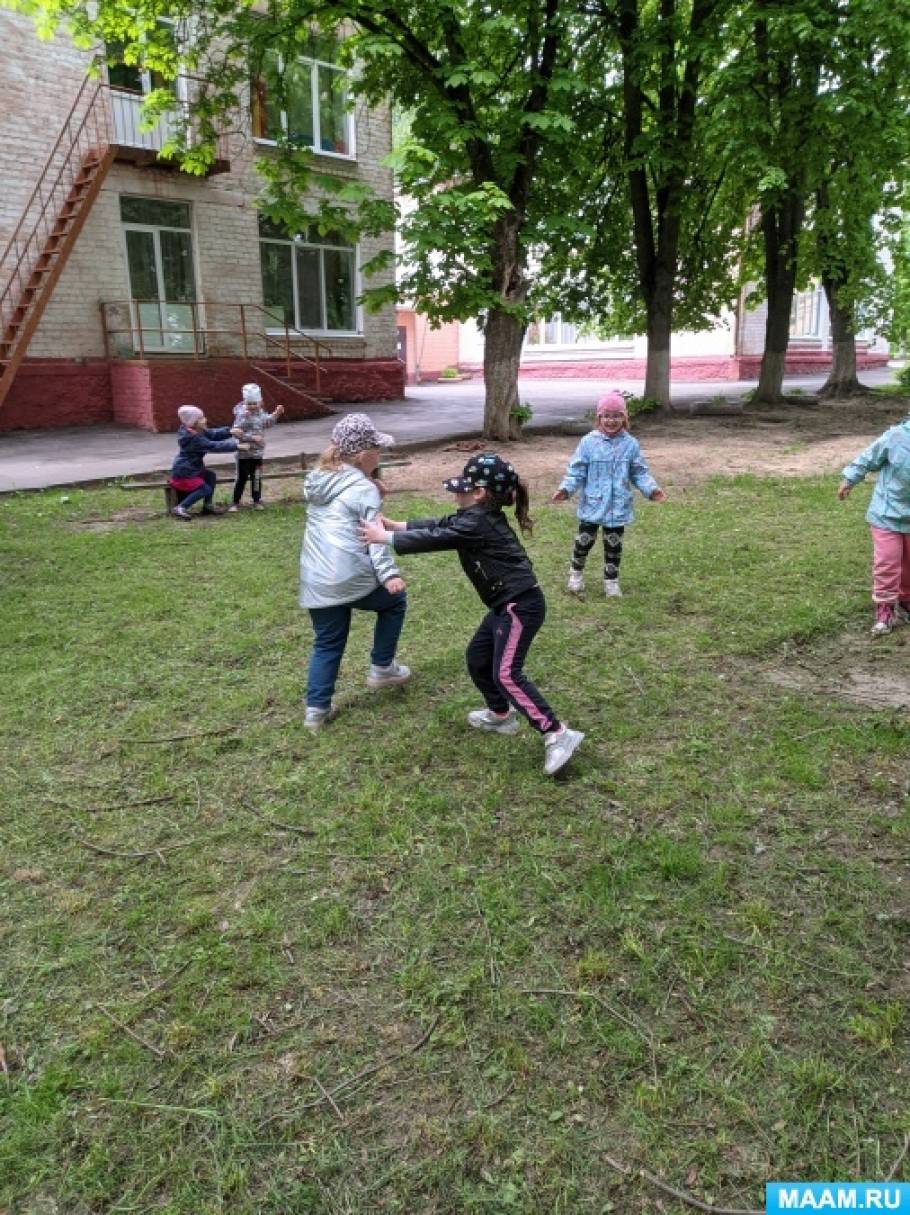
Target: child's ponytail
<point x="520" y="499"/>
<point x="522" y="505"/>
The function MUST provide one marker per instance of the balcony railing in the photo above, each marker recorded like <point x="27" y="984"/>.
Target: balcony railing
<point x="131" y="135"/>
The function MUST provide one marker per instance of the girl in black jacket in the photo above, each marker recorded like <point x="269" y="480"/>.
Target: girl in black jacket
<point x="501" y="572"/>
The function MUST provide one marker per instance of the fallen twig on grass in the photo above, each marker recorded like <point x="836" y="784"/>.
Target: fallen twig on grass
<point x="157" y="1051"/>
<point x="132" y="855"/>
<point x="273" y="822"/>
<point x="682" y="1195"/>
<point x="328" y="1096"/>
<point x="4" y="1066"/>
<point x="352" y="1080"/>
<point x="169" y="738"/>
<point x="892" y="1173"/>
<point x="643" y="1032"/>
<point x="830" y="970"/>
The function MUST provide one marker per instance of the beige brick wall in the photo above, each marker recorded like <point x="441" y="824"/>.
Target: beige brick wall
<point x="38" y="81"/>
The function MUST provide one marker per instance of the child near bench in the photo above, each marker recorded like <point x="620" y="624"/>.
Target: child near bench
<point x="252" y="421"/>
<point x="189" y="475"/>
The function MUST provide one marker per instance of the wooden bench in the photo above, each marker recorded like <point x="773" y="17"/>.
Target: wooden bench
<point x="173" y="497"/>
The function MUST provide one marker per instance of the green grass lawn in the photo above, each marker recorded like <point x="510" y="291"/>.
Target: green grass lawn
<point x="395" y="968"/>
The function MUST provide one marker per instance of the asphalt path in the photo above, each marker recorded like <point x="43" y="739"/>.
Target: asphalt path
<point x="42" y="459"/>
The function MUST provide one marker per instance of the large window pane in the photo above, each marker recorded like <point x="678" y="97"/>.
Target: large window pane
<point x="121" y="75"/>
<point x="177" y="266"/>
<point x="154" y="211"/>
<point x="339" y="288"/>
<point x="140" y="253"/>
<point x="309" y="288"/>
<point x="298" y="92"/>
<point x="333" y="119"/>
<point x="277" y="284"/>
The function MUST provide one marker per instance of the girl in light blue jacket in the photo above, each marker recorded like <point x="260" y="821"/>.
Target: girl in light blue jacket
<point x="605" y="466"/>
<point x="889" y="519"/>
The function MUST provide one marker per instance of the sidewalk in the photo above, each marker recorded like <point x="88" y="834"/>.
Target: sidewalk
<point x="41" y="459"/>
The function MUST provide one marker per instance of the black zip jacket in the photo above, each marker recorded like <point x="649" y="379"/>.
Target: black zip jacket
<point x="488" y="549"/>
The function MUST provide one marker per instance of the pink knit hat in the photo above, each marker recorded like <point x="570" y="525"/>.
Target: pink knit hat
<point x="612" y="402"/>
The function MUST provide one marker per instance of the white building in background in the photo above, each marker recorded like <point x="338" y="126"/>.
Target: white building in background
<point x="555" y="348"/>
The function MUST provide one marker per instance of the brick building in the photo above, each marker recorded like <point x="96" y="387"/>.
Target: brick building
<point x="128" y="286"/>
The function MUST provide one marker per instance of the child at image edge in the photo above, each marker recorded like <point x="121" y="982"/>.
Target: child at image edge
<point x="889" y="519"/>
<point x="501" y="573"/>
<point x="252" y="420"/>
<point x="605" y="466"/>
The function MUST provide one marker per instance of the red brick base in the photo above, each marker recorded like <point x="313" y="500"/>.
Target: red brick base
<point x="691" y="370"/>
<point x="51" y="393"/>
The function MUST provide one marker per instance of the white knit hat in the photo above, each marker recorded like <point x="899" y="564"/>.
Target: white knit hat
<point x="251" y="392"/>
<point x="189" y="415"/>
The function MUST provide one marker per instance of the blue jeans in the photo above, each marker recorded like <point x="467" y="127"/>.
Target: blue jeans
<point x="332" y="625"/>
<point x="204" y="491"/>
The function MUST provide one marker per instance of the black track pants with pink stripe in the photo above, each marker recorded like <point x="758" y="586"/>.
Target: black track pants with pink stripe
<point x="496" y="654"/>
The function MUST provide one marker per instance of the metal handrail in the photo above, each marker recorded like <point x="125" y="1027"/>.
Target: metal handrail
<point x="200" y="329"/>
<point x="26" y="248"/>
<point x="89" y="78"/>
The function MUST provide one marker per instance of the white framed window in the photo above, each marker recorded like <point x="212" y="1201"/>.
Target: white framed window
<point x="309" y="282"/>
<point x="304" y="101"/>
<point x="806" y="314"/>
<point x="553" y="333"/>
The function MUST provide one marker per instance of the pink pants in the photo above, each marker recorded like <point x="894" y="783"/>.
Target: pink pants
<point x="890" y="566"/>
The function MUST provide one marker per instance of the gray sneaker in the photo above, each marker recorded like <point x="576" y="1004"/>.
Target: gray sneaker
<point x="492" y="723"/>
<point x="314" y="719"/>
<point x="612" y="589"/>
<point x="179" y="513"/>
<point x="387" y="677"/>
<point x="559" y="748"/>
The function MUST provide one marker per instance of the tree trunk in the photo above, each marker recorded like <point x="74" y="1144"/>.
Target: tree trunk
<point x="504" y="332"/>
<point x="781" y="225"/>
<point x="503" y="337"/>
<point x="660" y="327"/>
<point x="841" y="381"/>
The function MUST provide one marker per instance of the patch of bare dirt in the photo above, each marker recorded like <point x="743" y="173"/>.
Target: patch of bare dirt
<point x="805" y="437"/>
<point x="873" y="672"/>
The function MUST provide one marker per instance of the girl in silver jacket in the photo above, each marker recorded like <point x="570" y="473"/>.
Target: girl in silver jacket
<point x="339" y="575"/>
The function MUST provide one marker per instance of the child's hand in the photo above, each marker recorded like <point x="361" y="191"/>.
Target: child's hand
<point x="658" y="496"/>
<point x="236" y="432"/>
<point x="393" y="525"/>
<point x="372" y="533"/>
<point x="394" y="586"/>
<point x="560" y="496"/>
<point x="279" y="410"/>
<point x="843" y="489"/>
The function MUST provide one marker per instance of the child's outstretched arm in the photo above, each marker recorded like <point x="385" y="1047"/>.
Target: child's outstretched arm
<point x="271" y="418"/>
<point x="872" y="459"/>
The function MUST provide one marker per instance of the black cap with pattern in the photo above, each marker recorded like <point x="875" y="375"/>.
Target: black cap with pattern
<point x="486" y="471"/>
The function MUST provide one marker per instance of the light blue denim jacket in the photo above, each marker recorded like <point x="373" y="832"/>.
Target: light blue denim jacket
<point x="889" y="456"/>
<point x="604" y="470"/>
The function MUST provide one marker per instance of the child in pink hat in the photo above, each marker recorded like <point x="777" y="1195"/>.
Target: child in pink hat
<point x="606" y="464"/>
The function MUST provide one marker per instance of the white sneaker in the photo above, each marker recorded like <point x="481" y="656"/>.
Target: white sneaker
<point x="576" y="583"/>
<point x="314" y="719"/>
<point x="612" y="589"/>
<point x="492" y="723"/>
<point x="559" y="748"/>
<point x="233" y="508"/>
<point x="179" y="513"/>
<point x="387" y="677"/>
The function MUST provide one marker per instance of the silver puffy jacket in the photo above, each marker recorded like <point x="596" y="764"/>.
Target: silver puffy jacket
<point x="335" y="566"/>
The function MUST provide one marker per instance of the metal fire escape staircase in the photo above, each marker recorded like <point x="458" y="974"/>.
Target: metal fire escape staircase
<point x="51" y="221"/>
